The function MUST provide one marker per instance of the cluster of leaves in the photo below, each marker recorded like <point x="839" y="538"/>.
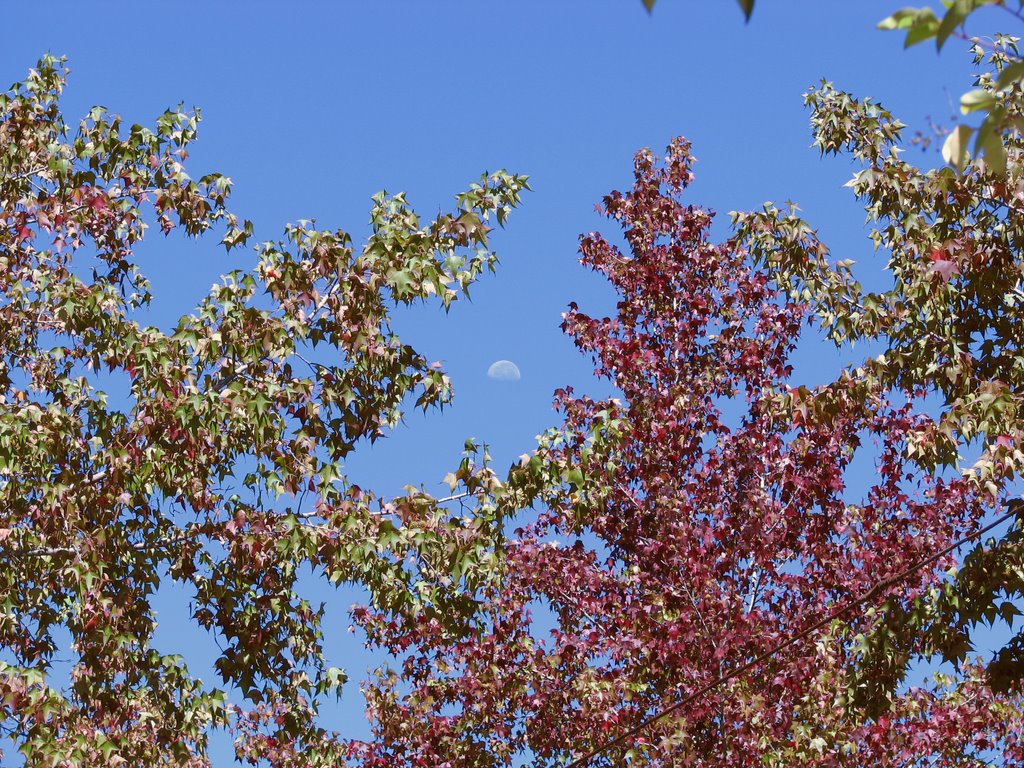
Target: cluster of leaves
<point x="694" y="523"/>
<point x="221" y="469"/>
<point x="710" y="513"/>
<point x="950" y="324"/>
<point x="921" y="24"/>
<point x="689" y="528"/>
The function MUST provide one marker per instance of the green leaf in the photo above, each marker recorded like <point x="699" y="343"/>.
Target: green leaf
<point x="954" y="149"/>
<point x="954" y="17"/>
<point x="402" y="281"/>
<point x="1010" y="75"/>
<point x="990" y="143"/>
<point x="649" y="5"/>
<point x="259" y="403"/>
<point x="902" y="19"/>
<point x="977" y="99"/>
<point x="818" y="744"/>
<point x="920" y="24"/>
<point x="921" y="31"/>
<point x="748" y="8"/>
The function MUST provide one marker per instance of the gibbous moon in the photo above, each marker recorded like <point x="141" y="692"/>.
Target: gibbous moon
<point x="504" y="370"/>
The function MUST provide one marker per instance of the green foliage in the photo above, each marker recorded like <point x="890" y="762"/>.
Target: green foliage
<point x="922" y="24"/>
<point x="950" y="329"/>
<point x="223" y="470"/>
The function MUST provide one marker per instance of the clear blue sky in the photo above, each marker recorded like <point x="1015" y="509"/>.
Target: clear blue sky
<point x="313" y="107"/>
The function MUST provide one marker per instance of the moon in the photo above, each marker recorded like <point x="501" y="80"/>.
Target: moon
<point x="504" y="370"/>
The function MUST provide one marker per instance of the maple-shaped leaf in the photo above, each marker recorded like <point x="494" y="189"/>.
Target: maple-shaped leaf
<point x="942" y="265"/>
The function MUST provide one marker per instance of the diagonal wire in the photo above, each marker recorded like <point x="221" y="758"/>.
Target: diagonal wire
<point x="1016" y="506"/>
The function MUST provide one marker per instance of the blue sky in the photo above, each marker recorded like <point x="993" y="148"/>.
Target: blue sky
<point x="311" y="108"/>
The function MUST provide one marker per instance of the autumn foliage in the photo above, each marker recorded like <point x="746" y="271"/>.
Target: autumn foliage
<point x="705" y="514"/>
<point x="698" y="571"/>
<point x="222" y="470"/>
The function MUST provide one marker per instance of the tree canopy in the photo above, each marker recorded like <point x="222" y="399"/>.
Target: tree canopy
<point x="688" y="573"/>
<point x="718" y="589"/>
<point x="701" y="535"/>
<point x="222" y="470"/>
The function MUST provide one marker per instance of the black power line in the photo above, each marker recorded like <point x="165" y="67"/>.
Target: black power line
<point x="1015" y="506"/>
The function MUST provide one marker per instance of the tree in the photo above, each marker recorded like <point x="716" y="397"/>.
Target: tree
<point x="221" y="469"/>
<point x="950" y="325"/>
<point x="951" y="329"/>
<point x="662" y="655"/>
<point x="691" y="526"/>
<point x="692" y="529"/>
<point x="701" y="584"/>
